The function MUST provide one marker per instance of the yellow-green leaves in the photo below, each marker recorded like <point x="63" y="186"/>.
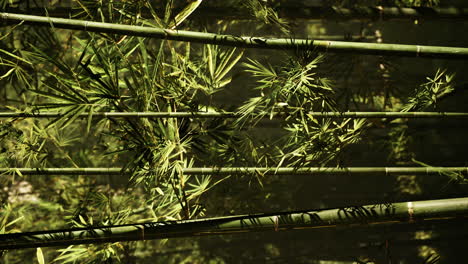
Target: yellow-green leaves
<point x="72" y="254"/>
<point x="296" y="91"/>
<point x="264" y="12"/>
<point x="208" y="74"/>
<point x="40" y="256"/>
<point x="185" y="13"/>
<point x="429" y="93"/>
<point x="220" y="62"/>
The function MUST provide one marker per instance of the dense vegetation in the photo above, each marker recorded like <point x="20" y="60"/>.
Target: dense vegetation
<point x="252" y="124"/>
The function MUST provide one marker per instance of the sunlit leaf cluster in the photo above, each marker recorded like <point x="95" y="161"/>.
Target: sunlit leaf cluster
<point x="294" y="91"/>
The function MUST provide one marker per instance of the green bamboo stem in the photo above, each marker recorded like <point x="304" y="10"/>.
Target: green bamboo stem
<point x="234" y="115"/>
<point x="250" y="170"/>
<point x="345" y="37"/>
<point x="239" y="41"/>
<point x="368" y="215"/>
<point x="124" y="114"/>
<point x="375" y="12"/>
<point x="297" y="11"/>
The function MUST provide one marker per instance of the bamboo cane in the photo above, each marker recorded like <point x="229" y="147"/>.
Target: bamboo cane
<point x="234" y="115"/>
<point x="367" y="215"/>
<point x="376" y="12"/>
<point x="250" y="170"/>
<point x="335" y="12"/>
<point x="239" y="41"/>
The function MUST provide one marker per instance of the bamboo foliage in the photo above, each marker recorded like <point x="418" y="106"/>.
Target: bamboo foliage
<point x="429" y="93"/>
<point x="100" y="74"/>
<point x="377" y="214"/>
<point x="236" y="115"/>
<point x="298" y="90"/>
<point x="249" y="170"/>
<point x="239" y="41"/>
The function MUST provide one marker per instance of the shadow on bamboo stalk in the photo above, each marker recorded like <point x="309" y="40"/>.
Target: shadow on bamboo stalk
<point x="241" y="41"/>
<point x="368" y="215"/>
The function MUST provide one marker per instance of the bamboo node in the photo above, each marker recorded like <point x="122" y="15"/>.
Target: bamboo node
<point x="86" y="25"/>
<point x="418" y="50"/>
<point x="276" y="222"/>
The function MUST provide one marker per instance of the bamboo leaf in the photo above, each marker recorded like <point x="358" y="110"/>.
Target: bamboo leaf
<point x="185" y="13"/>
<point x="8" y="73"/>
<point x="211" y="60"/>
<point x="223" y="69"/>
<point x="224" y="82"/>
<point x="15" y="56"/>
<point x="70" y="114"/>
<point x="71" y="255"/>
<point x="40" y="256"/>
<point x="66" y="99"/>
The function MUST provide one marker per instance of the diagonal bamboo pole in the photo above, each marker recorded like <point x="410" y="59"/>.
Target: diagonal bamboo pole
<point x="250" y="170"/>
<point x="240" y="41"/>
<point x="431" y="211"/>
<point x="234" y="114"/>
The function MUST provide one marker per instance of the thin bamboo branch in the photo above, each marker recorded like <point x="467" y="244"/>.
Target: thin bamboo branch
<point x="345" y="37"/>
<point x="234" y="115"/>
<point x="250" y="170"/>
<point x="369" y="215"/>
<point x="239" y="41"/>
<point x="375" y="13"/>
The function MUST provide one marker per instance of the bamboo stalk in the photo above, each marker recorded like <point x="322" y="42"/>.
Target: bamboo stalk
<point x="250" y="170"/>
<point x="240" y="41"/>
<point x="234" y="115"/>
<point x="294" y="11"/>
<point x="125" y="114"/>
<point x="374" y="12"/>
<point x="345" y="37"/>
<point x="368" y="215"/>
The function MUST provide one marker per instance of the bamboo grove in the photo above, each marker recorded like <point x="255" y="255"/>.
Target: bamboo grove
<point x="127" y="121"/>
